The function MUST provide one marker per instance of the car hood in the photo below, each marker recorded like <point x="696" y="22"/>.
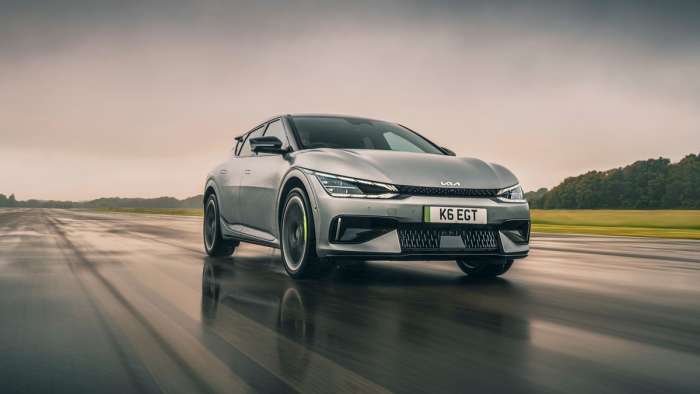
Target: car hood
<point x="405" y="168"/>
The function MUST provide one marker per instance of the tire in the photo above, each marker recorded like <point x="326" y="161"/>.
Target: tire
<point x="479" y="268"/>
<point x="298" y="237"/>
<point x="214" y="244"/>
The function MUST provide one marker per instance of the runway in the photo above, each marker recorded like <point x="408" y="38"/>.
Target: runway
<point x="97" y="302"/>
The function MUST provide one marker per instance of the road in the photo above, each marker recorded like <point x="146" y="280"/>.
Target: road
<point x="96" y="302"/>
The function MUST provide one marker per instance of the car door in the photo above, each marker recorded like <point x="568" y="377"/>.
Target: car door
<point x="230" y="178"/>
<point x="261" y="178"/>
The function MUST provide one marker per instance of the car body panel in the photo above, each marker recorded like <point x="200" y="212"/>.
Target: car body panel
<point x="260" y="183"/>
<point x="406" y="168"/>
<point x="228" y="177"/>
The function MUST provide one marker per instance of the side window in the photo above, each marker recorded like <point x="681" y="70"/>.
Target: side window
<point x="398" y="143"/>
<point x="245" y="149"/>
<point x="276" y="129"/>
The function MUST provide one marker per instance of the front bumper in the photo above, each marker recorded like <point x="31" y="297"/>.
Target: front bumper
<point x="402" y="235"/>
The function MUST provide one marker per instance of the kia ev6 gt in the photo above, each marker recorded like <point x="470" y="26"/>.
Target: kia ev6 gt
<point x="326" y="189"/>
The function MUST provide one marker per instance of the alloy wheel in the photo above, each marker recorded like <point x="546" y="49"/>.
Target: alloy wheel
<point x="294" y="233"/>
<point x="210" y="224"/>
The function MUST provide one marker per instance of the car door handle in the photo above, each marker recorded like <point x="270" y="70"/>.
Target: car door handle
<point x="223" y="172"/>
<point x="247" y="172"/>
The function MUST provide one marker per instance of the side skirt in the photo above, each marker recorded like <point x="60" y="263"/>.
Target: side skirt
<point x="243" y="233"/>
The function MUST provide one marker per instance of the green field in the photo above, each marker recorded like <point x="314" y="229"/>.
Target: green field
<point x="660" y="223"/>
<point x="157" y="211"/>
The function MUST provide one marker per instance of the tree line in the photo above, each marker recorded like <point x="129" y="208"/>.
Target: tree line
<point x="111" y="202"/>
<point x="645" y="184"/>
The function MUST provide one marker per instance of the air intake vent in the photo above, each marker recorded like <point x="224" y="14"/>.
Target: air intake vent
<point x="445" y="191"/>
<point x="422" y="238"/>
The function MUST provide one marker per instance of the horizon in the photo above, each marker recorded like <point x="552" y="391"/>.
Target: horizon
<point x="145" y="98"/>
<point x="181" y="198"/>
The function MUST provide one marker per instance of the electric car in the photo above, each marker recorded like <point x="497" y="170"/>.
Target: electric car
<point x="330" y="188"/>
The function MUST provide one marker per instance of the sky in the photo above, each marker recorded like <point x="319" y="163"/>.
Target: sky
<point x="142" y="98"/>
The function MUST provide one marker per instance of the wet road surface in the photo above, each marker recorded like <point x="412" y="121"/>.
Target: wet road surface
<point x="95" y="302"/>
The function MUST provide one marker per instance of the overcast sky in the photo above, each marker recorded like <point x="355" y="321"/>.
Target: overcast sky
<point x="133" y="98"/>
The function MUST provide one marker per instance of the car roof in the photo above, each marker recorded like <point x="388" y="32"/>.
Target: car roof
<point x="309" y="115"/>
<point x="312" y="115"/>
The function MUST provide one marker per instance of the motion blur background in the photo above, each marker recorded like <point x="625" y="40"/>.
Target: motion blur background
<point x="141" y="98"/>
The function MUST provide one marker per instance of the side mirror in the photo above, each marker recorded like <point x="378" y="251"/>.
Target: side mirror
<point x="448" y="152"/>
<point x="268" y="144"/>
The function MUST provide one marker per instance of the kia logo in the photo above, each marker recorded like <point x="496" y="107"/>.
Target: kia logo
<point x="448" y="183"/>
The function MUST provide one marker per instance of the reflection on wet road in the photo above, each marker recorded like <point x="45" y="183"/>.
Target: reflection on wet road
<point x="128" y="303"/>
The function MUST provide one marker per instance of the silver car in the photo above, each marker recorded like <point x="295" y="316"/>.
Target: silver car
<point x="326" y="189"/>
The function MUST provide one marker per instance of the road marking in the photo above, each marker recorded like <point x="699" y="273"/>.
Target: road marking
<point x="175" y="359"/>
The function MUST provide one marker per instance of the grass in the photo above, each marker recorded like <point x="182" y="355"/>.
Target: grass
<point x="659" y="223"/>
<point x="158" y="211"/>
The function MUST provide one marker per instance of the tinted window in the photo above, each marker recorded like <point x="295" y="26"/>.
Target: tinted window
<point x="275" y="129"/>
<point x="399" y="143"/>
<point x="245" y="150"/>
<point x="356" y="133"/>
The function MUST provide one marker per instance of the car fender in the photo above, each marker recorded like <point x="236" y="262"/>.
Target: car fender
<point x="506" y="176"/>
<point x="211" y="183"/>
<point x="304" y="177"/>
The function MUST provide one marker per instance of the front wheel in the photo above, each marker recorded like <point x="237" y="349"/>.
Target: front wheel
<point x="298" y="240"/>
<point x="214" y="244"/>
<point x="484" y="268"/>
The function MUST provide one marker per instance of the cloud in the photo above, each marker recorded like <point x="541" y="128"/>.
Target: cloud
<point x="148" y="91"/>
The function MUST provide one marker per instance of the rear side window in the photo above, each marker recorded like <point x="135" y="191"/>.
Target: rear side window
<point x="275" y="129"/>
<point x="245" y="149"/>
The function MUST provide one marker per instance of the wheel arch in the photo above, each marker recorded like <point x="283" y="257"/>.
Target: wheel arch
<point x="294" y="178"/>
<point x="209" y="189"/>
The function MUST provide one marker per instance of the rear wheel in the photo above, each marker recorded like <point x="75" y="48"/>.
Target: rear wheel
<point x="297" y="237"/>
<point x="214" y="244"/>
<point x="484" y="268"/>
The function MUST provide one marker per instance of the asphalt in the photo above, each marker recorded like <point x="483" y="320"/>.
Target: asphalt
<point x="96" y="302"/>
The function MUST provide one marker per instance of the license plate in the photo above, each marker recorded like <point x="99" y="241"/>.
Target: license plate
<point x="454" y="215"/>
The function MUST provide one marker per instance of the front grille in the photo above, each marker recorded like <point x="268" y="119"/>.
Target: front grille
<point x="423" y="237"/>
<point x="445" y="191"/>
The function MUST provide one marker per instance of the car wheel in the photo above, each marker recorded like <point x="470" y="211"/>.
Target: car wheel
<point x="214" y="243"/>
<point x="479" y="268"/>
<point x="298" y="238"/>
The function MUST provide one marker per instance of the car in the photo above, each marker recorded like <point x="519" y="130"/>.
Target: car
<point x="328" y="189"/>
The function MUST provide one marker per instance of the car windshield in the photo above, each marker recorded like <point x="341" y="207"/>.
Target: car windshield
<point x="357" y="133"/>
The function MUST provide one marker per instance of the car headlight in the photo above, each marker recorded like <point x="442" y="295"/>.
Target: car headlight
<point x="512" y="194"/>
<point x="341" y="186"/>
